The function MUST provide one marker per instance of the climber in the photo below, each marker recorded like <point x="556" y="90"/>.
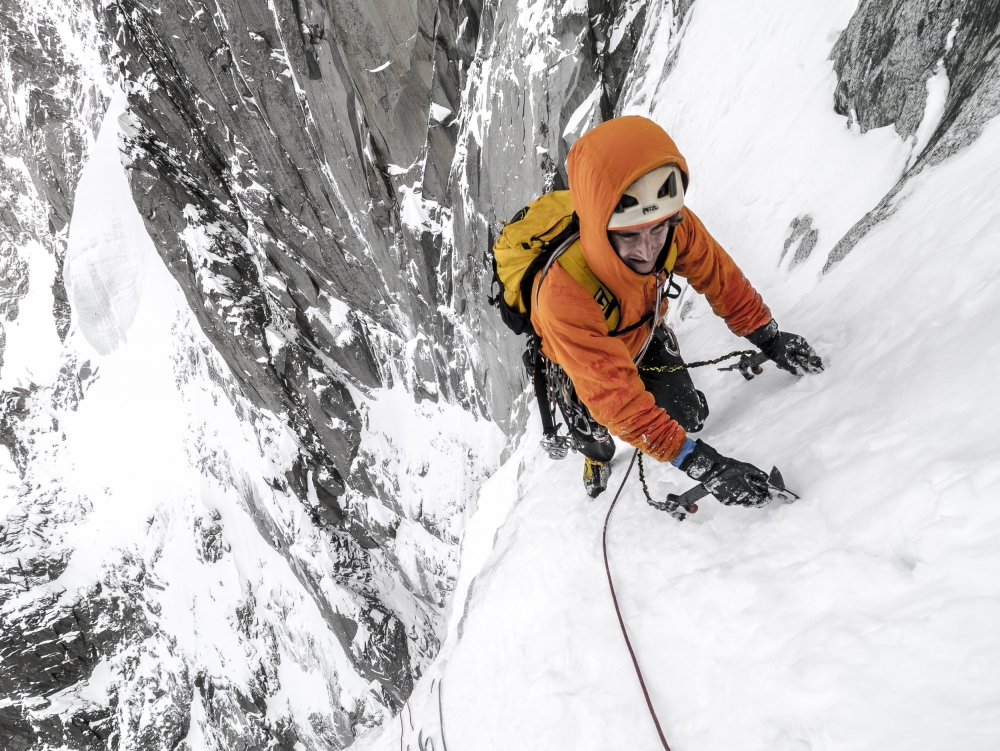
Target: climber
<point x="627" y="181"/>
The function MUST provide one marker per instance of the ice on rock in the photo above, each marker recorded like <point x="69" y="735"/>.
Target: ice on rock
<point x="104" y="269"/>
<point x="938" y="86"/>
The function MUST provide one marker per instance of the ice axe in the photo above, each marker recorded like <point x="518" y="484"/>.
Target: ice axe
<point x="749" y="365"/>
<point x="679" y="506"/>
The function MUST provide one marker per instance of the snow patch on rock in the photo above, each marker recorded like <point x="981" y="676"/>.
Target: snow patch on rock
<point x="104" y="268"/>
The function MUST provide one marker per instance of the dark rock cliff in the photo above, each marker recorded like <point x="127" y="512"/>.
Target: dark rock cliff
<point x="53" y="92"/>
<point x="267" y="145"/>
<point x="883" y="61"/>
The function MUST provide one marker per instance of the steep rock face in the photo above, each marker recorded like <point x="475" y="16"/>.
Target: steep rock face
<point x="259" y="139"/>
<point x="931" y="69"/>
<point x="301" y="168"/>
<point x="296" y="168"/>
<point x="54" y="95"/>
<point x="289" y="589"/>
<point x="53" y="92"/>
<point x="259" y="157"/>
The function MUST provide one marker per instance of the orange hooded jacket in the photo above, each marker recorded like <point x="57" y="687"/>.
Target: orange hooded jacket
<point x="601" y="165"/>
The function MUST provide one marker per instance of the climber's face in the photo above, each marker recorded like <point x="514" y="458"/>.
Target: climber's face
<point x="639" y="247"/>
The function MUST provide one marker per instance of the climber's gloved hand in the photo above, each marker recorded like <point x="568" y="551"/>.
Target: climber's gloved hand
<point x="789" y="352"/>
<point x="732" y="482"/>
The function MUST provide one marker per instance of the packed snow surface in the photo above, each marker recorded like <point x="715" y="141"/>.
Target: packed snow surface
<point x="862" y="616"/>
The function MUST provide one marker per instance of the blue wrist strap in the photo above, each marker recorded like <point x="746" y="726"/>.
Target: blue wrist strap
<point x="685" y="451"/>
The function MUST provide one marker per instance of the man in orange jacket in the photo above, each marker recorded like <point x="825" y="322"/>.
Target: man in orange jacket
<point x="627" y="181"/>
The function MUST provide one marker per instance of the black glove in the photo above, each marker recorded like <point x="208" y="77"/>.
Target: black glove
<point x="789" y="352"/>
<point x="732" y="482"/>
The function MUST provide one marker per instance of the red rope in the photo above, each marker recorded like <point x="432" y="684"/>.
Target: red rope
<point x="618" y="612"/>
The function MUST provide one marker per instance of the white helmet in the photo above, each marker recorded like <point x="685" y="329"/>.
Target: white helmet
<point x="652" y="198"/>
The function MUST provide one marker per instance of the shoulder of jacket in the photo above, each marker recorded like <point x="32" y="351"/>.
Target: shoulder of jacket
<point x="556" y="287"/>
<point x="575" y="265"/>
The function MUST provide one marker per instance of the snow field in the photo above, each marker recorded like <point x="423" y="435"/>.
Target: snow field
<point x="862" y="616"/>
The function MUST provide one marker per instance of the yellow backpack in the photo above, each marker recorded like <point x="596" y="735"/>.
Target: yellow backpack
<point x="545" y="228"/>
<point x="543" y="232"/>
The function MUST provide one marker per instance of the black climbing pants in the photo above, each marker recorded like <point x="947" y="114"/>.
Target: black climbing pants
<point x="674" y="392"/>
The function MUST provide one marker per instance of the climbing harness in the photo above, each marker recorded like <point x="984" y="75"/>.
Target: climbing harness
<point x="618" y="612"/>
<point x="560" y="394"/>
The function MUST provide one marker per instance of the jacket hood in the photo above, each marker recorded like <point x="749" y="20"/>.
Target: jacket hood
<point x="600" y="166"/>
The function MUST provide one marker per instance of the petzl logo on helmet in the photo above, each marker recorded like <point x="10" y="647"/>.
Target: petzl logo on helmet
<point x="657" y="195"/>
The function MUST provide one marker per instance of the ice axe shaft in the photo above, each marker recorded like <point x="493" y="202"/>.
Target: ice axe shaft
<point x="749" y="365"/>
<point x="679" y="505"/>
<point x="688" y="498"/>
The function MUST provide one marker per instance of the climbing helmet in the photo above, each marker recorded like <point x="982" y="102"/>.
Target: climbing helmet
<point x="655" y="196"/>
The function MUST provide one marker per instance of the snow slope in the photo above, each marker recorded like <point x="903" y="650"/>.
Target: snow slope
<point x="862" y="616"/>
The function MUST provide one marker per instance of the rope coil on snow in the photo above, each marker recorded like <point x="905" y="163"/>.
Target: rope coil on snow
<point x="444" y="745"/>
<point x="618" y="612"/>
<point x="424" y="744"/>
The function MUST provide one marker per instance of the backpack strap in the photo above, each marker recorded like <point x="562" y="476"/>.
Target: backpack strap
<point x="576" y="266"/>
<point x="547" y="259"/>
